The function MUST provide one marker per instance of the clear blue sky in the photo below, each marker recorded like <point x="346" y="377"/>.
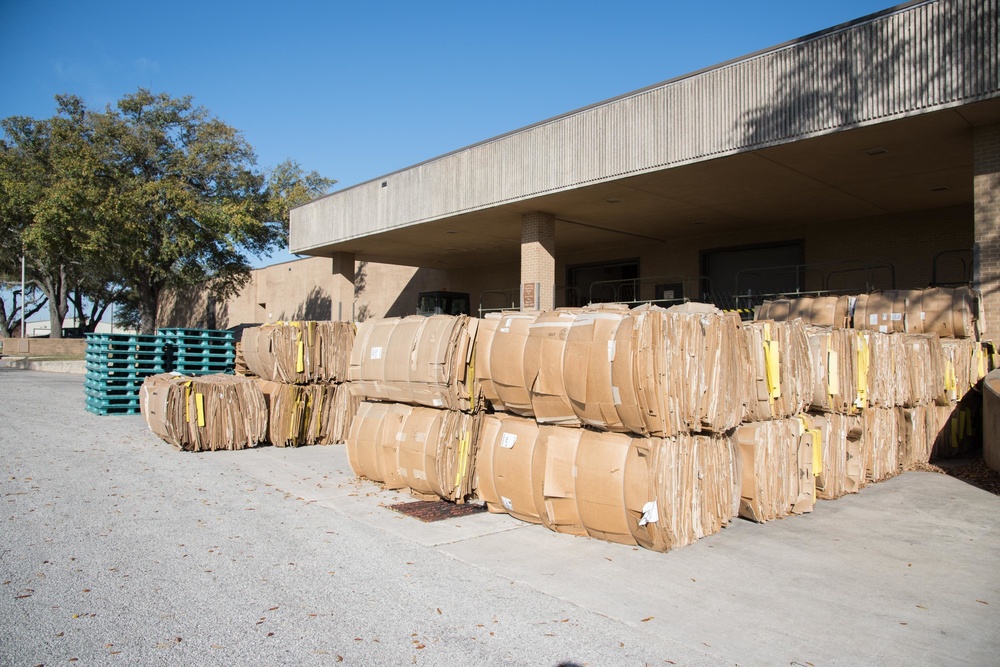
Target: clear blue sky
<point x="357" y="90"/>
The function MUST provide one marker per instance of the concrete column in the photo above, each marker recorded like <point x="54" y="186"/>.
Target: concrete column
<point x="986" y="252"/>
<point x="342" y="298"/>
<point x="538" y="261"/>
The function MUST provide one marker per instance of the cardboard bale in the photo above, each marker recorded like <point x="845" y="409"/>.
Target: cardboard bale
<point x="345" y="407"/>
<point x="372" y="445"/>
<point x="948" y="312"/>
<point x="508" y="467"/>
<point x="880" y="445"/>
<point x="417" y="360"/>
<point x="827" y="311"/>
<point x="965" y="364"/>
<point x="299" y="352"/>
<point x="484" y="343"/>
<point x="681" y="488"/>
<point x="840" y="467"/>
<point x="240" y="365"/>
<point x="780" y="376"/>
<point x="313" y="414"/>
<point x="543" y="367"/>
<point x="205" y="413"/>
<point x="840" y="370"/>
<point x="918" y="428"/>
<point x="779" y="457"/>
<point x="435" y="456"/>
<point x="674" y="370"/>
<point x="506" y="363"/>
<point x="587" y="366"/>
<point x="557" y="448"/>
<point x="883" y="311"/>
<point x="601" y="480"/>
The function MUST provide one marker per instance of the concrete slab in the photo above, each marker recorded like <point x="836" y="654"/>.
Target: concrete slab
<point x="219" y="547"/>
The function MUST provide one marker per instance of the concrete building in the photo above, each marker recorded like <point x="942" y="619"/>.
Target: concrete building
<point x="865" y="156"/>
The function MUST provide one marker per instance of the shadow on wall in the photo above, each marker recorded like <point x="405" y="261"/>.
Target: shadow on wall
<point x="833" y="88"/>
<point x="406" y="303"/>
<point x="317" y="306"/>
<point x="187" y="309"/>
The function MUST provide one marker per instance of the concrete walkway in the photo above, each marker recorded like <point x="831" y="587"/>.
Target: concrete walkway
<point x="118" y="549"/>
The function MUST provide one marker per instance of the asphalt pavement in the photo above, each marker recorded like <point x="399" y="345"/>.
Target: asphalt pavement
<point x="118" y="549"/>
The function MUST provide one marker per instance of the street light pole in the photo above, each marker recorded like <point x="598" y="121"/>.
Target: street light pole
<point x="22" y="293"/>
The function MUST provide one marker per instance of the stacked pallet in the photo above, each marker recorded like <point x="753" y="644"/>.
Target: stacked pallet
<point x="417" y="426"/>
<point x="116" y="365"/>
<point x="301" y="369"/>
<point x="204" y="413"/>
<point x="200" y="351"/>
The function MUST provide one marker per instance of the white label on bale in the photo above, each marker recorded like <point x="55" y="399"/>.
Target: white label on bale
<point x="611" y="350"/>
<point x="421" y="437"/>
<point x="883" y="328"/>
<point x="873" y="319"/>
<point x="504" y="329"/>
<point x="507" y="440"/>
<point x="437" y="402"/>
<point x="376" y="353"/>
<point x="885" y="316"/>
<point x="509" y="320"/>
<point x="923" y="315"/>
<point x="649" y="513"/>
<point x="400" y="437"/>
<point x="615" y="395"/>
<point x="896" y="317"/>
<point x="509" y="506"/>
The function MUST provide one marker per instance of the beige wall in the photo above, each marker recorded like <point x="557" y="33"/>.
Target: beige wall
<point x="301" y="289"/>
<point x="43" y="346"/>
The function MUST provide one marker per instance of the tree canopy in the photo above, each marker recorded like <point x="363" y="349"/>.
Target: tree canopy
<point x="151" y="194"/>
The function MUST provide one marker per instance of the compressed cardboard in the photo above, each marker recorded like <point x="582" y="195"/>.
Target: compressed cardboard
<point x="204" y="413"/>
<point x="557" y="448"/>
<point x="299" y="352"/>
<point x="307" y="414"/>
<point x="948" y="312"/>
<point x="506" y="363"/>
<point x="918" y="428"/>
<point x="777" y="465"/>
<point x="828" y="311"/>
<point x="435" y="455"/>
<point x="587" y="360"/>
<point x="841" y="467"/>
<point x="840" y="368"/>
<point x="780" y="376"/>
<point x="881" y="311"/>
<point x="543" y="367"/>
<point x="508" y="461"/>
<point x="880" y="445"/>
<point x="417" y="360"/>
<point x="600" y="483"/>
<point x="484" y="343"/>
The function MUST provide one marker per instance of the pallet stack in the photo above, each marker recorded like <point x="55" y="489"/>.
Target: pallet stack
<point x="200" y="351"/>
<point x="117" y="364"/>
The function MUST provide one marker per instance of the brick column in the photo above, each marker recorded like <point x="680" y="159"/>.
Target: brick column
<point x="986" y="252"/>
<point x="538" y="261"/>
<point x="342" y="298"/>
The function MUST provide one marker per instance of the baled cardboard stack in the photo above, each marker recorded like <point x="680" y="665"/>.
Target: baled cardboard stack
<point x="204" y="413"/>
<point x="827" y="311"/>
<point x="838" y="360"/>
<point x="587" y="365"/>
<point x="301" y="367"/>
<point x="779" y="458"/>
<point x="880" y="445"/>
<point x="659" y="493"/>
<point x="780" y="379"/>
<point x="426" y="450"/>
<point x="918" y="428"/>
<point x="418" y="360"/>
<point x="543" y="367"/>
<point x="307" y="414"/>
<point x="842" y="467"/>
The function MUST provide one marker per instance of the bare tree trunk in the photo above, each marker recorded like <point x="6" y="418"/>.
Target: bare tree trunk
<point x="149" y="303"/>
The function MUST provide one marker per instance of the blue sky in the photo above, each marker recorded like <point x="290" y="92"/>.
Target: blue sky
<point x="357" y="90"/>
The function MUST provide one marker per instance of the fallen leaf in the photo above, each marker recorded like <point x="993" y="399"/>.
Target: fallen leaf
<point x="920" y="606"/>
<point x="272" y="608"/>
<point x="419" y="646"/>
<point x="440" y="612"/>
<point x="270" y="634"/>
<point x="340" y="658"/>
<point x="648" y="618"/>
<point x="982" y="602"/>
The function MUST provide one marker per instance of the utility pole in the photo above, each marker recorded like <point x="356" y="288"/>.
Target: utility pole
<point x="22" y="292"/>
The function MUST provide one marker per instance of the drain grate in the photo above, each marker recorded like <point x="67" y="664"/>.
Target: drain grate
<point x="436" y="510"/>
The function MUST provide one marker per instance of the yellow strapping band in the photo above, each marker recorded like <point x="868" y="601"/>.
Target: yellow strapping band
<point x="300" y="362"/>
<point x="187" y="402"/>
<point x="832" y="379"/>
<point x="864" y="365"/>
<point x="470" y="374"/>
<point x="199" y="401"/>
<point x="772" y="361"/>
<point x="463" y="447"/>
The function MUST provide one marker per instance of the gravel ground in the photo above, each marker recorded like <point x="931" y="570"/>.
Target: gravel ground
<point x="118" y="549"/>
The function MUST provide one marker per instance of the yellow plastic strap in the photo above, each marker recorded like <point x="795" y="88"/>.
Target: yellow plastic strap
<point x="981" y="358"/>
<point x="470" y="375"/>
<point x="949" y="378"/>
<point x="300" y="362"/>
<point x="864" y="364"/>
<point x="199" y="401"/>
<point x="187" y="402"/>
<point x="832" y="379"/>
<point x="463" y="447"/>
<point x="772" y="365"/>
